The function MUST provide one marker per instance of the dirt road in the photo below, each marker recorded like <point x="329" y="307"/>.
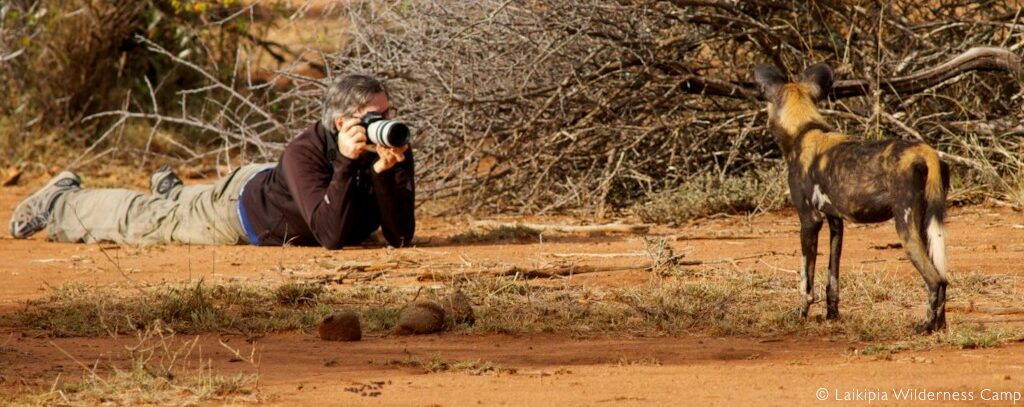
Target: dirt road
<point x="550" y="368"/>
<point x="555" y="370"/>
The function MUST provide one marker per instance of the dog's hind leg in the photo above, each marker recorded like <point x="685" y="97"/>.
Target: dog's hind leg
<point x="835" y="228"/>
<point x="934" y="232"/>
<point x="809" y="229"/>
<point x="916" y="250"/>
<point x="912" y="222"/>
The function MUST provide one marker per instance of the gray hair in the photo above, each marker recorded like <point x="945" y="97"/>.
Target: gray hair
<point x="347" y="95"/>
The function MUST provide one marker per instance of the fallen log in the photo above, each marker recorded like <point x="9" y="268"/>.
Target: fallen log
<point x="589" y="229"/>
<point x="528" y="273"/>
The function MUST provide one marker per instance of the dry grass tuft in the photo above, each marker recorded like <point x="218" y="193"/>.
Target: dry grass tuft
<point x="708" y="194"/>
<point x="703" y="300"/>
<point x="299" y="293"/>
<point x="161" y="370"/>
<point x="76" y="310"/>
<point x="500" y="234"/>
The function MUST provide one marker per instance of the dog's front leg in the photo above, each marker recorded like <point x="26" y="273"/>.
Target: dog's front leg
<point x="835" y="228"/>
<point x="809" y="229"/>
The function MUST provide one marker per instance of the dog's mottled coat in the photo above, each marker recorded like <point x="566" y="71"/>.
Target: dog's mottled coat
<point x="835" y="178"/>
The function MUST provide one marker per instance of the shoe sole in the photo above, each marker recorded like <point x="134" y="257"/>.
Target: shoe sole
<point x="49" y="184"/>
<point x="154" y="188"/>
<point x="162" y="168"/>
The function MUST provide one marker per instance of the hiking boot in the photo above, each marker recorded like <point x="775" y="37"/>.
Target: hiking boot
<point x="164" y="181"/>
<point x="31" y="214"/>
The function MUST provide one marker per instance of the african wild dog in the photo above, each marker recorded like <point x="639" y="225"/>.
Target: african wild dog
<point x="836" y="178"/>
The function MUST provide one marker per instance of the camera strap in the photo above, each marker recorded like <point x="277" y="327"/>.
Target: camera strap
<point x="330" y="143"/>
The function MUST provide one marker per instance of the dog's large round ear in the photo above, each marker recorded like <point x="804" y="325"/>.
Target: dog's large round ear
<point x="819" y="77"/>
<point x="769" y="79"/>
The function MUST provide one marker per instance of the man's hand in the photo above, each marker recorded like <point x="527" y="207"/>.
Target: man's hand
<point x="351" y="138"/>
<point x="389" y="156"/>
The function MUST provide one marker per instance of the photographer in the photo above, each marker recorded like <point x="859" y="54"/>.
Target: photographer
<point x="336" y="183"/>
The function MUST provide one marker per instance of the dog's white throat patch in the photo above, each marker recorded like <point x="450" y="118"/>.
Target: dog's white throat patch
<point x="818" y="198"/>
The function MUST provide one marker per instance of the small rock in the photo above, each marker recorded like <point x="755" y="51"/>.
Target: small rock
<point x="458" y="310"/>
<point x="341" y="326"/>
<point x="421" y="317"/>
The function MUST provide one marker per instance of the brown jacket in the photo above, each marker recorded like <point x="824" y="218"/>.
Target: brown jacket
<point x="316" y="196"/>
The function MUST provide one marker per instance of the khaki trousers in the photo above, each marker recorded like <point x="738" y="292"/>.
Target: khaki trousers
<point x="200" y="214"/>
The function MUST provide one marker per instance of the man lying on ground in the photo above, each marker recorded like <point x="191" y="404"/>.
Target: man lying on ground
<point x="331" y="188"/>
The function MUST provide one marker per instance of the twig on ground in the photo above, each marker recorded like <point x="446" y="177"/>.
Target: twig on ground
<point x="590" y="229"/>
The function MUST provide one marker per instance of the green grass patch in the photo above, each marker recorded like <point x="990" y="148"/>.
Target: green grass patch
<point x="958" y="335"/>
<point x="979" y="337"/>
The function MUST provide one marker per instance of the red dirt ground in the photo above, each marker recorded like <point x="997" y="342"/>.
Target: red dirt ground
<point x="298" y="369"/>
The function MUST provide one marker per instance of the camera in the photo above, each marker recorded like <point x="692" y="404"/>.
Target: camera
<point x="384" y="132"/>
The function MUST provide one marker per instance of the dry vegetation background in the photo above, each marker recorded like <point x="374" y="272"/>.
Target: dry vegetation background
<point x="592" y="107"/>
<point x="604" y="107"/>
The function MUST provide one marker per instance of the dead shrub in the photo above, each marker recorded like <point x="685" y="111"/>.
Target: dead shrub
<point x="708" y="194"/>
<point x="600" y="105"/>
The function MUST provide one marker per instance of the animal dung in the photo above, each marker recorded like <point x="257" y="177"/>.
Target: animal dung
<point x="341" y="326"/>
<point x="458" y="309"/>
<point x="419" y="318"/>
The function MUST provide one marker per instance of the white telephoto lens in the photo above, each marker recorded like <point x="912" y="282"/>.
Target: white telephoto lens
<point x="388" y="133"/>
<point x="375" y="132"/>
<point x="385" y="129"/>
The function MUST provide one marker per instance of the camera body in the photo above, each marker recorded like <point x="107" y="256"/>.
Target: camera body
<point x="384" y="132"/>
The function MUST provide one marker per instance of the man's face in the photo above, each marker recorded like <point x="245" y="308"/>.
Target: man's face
<point x="378" y="104"/>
